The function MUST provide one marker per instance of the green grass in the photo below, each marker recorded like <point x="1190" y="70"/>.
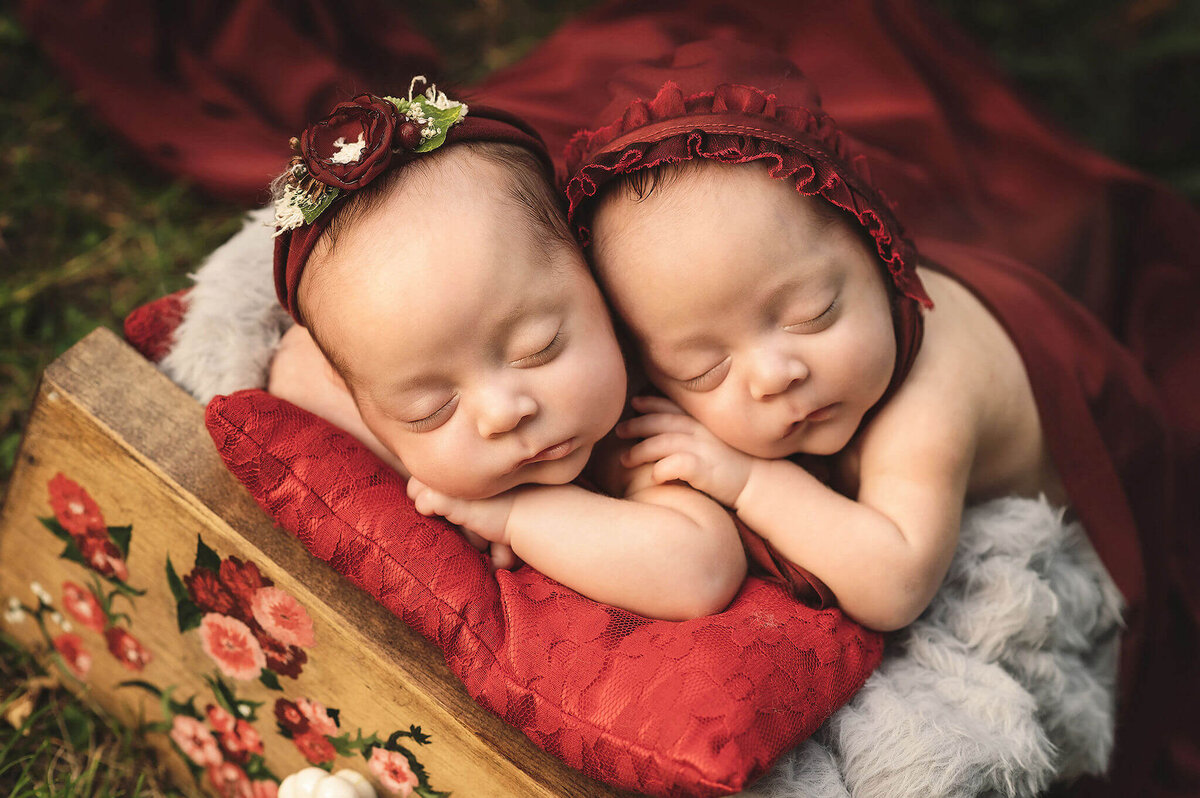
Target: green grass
<point x="65" y="748"/>
<point x="88" y="232"/>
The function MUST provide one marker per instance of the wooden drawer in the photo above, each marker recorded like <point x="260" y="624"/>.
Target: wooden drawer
<point x="168" y="590"/>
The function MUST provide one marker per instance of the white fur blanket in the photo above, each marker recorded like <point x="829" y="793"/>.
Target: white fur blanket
<point x="1004" y="686"/>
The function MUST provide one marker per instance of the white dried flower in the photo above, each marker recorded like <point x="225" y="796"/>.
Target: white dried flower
<point x="56" y="616"/>
<point x="288" y="214"/>
<point x="348" y="153"/>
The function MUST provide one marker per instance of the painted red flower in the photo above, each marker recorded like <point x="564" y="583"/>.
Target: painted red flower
<point x="241" y="742"/>
<point x="70" y="648"/>
<point x="282" y="617"/>
<point x="366" y="120"/>
<point x="229" y="780"/>
<point x="230" y="644"/>
<point x="195" y="740"/>
<point x="264" y="788"/>
<point x="315" y="747"/>
<point x="242" y="580"/>
<point x="290" y="717"/>
<point x="82" y="605"/>
<point x="317" y="716"/>
<point x="128" y="650"/>
<point x="393" y="771"/>
<point x="208" y="592"/>
<point x="75" y="510"/>
<point x="103" y="557"/>
<point x="284" y="660"/>
<point x="221" y="721"/>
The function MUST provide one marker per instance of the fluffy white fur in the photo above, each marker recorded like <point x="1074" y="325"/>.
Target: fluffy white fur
<point x="1005" y="685"/>
<point x="233" y="321"/>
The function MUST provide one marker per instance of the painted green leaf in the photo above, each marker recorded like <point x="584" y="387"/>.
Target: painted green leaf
<point x="341" y="744"/>
<point x="120" y="535"/>
<point x="175" y="583"/>
<point x="206" y="557"/>
<point x="123" y="588"/>
<point x="71" y="552"/>
<point x="188" y="615"/>
<point x="56" y="528"/>
<point x="270" y="679"/>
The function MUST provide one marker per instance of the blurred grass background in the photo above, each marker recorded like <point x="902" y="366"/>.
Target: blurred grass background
<point x="87" y="233"/>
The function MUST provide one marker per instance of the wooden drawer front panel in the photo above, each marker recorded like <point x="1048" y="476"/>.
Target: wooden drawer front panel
<point x="148" y="575"/>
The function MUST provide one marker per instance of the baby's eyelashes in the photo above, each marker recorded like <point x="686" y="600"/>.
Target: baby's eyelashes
<point x="436" y="418"/>
<point x="545" y="354"/>
<point x="708" y="380"/>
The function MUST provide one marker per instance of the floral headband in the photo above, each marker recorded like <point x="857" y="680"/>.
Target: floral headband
<point x="357" y="142"/>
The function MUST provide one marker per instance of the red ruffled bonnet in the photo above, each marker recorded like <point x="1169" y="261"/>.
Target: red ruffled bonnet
<point x="772" y="114"/>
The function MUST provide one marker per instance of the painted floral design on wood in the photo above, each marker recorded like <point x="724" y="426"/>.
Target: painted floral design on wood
<point x="248" y="627"/>
<point x="104" y="550"/>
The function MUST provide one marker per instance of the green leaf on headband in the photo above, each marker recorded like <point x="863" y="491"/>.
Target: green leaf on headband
<point x="440" y="120"/>
<point x="312" y="210"/>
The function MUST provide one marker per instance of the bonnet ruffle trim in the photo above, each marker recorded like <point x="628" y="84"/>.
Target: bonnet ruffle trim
<point x="738" y="124"/>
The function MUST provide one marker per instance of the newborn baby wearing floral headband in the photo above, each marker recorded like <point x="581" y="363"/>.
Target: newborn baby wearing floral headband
<point x="446" y="318"/>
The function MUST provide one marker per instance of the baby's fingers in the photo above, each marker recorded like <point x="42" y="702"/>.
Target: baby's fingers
<point x="415" y="486"/>
<point x="655" y="424"/>
<point x="681" y="466"/>
<point x="655" y="448"/>
<point x="656" y="404"/>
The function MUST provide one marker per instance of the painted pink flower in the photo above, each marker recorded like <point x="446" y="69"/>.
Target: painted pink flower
<point x="264" y="788"/>
<point x="229" y="780"/>
<point x="241" y="742"/>
<point x="282" y="617"/>
<point x="195" y="740"/>
<point x="73" y="507"/>
<point x="221" y="721"/>
<point x="128" y="650"/>
<point x="103" y="557"/>
<point x="230" y="644"/>
<point x="82" y="605"/>
<point x="393" y="771"/>
<point x="70" y="648"/>
<point x="317" y="716"/>
<point x="315" y="747"/>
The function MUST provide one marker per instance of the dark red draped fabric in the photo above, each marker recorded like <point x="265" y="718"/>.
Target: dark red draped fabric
<point x="213" y="90"/>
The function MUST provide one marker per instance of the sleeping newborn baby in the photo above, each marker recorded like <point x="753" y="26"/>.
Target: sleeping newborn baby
<point x="446" y="318"/>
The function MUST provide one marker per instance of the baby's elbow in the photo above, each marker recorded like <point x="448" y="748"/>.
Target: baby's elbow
<point x="711" y="581"/>
<point x="892" y="605"/>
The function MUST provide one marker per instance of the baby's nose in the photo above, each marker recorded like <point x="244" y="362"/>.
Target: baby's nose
<point x="503" y="412"/>
<point x="774" y="373"/>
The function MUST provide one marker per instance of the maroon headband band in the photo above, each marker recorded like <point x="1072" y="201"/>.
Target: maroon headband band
<point x="384" y="136"/>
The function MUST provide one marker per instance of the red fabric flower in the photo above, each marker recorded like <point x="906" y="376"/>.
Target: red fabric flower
<point x="70" y="648"/>
<point x="128" y="650"/>
<point x="208" y="592"/>
<point x="242" y="741"/>
<point x="316" y="715"/>
<point x="284" y="660"/>
<point x="81" y="604"/>
<point x="231" y="645"/>
<point x="290" y="717"/>
<point x="103" y="557"/>
<point x="366" y="117"/>
<point x="221" y="721"/>
<point x="393" y="771"/>
<point x="229" y="780"/>
<point x="282" y="617"/>
<point x="242" y="580"/>
<point x="315" y="747"/>
<point x="73" y="507"/>
<point x="195" y="740"/>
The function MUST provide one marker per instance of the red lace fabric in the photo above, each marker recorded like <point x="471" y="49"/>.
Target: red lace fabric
<point x="699" y="707"/>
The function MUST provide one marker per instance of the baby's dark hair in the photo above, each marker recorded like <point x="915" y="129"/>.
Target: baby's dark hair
<point x="529" y="187"/>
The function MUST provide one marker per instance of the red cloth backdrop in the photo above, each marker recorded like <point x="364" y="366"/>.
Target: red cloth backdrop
<point x="213" y="90"/>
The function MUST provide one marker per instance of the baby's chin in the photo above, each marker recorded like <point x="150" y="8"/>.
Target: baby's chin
<point x="558" y="472"/>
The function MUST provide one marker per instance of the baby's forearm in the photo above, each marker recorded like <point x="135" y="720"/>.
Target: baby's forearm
<point x="879" y="576"/>
<point x="676" y="555"/>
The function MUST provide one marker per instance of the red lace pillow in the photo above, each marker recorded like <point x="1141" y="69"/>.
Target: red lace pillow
<point x="699" y="707"/>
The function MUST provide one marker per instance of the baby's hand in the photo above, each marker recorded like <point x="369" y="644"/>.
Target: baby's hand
<point x="681" y="448"/>
<point x="484" y="521"/>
